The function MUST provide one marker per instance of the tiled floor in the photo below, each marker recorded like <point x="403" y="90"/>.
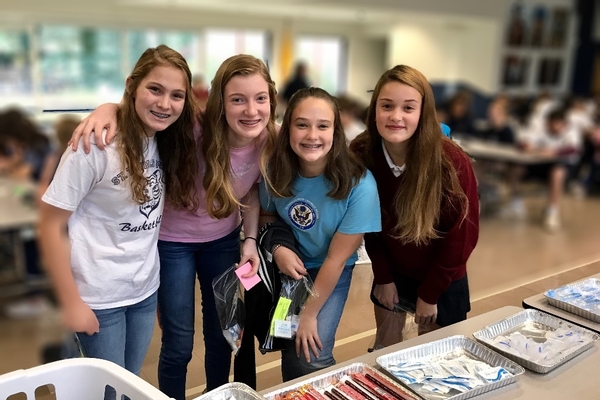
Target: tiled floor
<point x="513" y="260"/>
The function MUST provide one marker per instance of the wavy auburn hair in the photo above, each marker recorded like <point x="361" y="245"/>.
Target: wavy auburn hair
<point x="430" y="175"/>
<point x="343" y="169"/>
<point x="218" y="178"/>
<point x="176" y="145"/>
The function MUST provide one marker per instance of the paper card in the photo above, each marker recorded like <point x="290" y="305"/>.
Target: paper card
<point x="248" y="283"/>
<point x="283" y="329"/>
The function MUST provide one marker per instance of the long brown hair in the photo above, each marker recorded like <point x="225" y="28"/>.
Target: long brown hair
<point x="176" y="144"/>
<point x="218" y="180"/>
<point x="430" y="175"/>
<point x="343" y="169"/>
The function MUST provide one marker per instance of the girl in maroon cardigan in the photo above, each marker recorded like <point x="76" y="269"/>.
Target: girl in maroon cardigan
<point x="429" y="204"/>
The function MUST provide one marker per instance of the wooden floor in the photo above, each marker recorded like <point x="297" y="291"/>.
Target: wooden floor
<point x="512" y="261"/>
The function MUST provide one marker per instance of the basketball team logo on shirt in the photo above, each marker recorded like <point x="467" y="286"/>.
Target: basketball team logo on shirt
<point x="302" y="213"/>
<point x="153" y="190"/>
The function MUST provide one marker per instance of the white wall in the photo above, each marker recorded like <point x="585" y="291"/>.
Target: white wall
<point x="449" y="51"/>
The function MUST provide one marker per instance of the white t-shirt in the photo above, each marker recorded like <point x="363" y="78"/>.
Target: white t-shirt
<point x="114" y="255"/>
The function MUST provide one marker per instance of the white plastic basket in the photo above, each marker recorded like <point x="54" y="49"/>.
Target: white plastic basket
<point x="78" y="379"/>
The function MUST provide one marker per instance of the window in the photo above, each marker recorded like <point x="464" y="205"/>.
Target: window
<point x="15" y="63"/>
<point x="186" y="43"/>
<point x="76" y="62"/>
<point x="222" y="44"/>
<point x="324" y="57"/>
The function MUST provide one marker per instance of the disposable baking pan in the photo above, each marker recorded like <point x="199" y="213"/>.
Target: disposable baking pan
<point x="560" y="298"/>
<point x="232" y="391"/>
<point x="450" y="348"/>
<point x="327" y="380"/>
<point x="535" y="324"/>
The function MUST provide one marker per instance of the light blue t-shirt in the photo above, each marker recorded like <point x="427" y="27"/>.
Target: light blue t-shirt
<point x="315" y="218"/>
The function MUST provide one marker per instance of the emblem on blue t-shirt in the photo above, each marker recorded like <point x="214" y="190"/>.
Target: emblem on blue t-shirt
<point x="153" y="190"/>
<point x="302" y="213"/>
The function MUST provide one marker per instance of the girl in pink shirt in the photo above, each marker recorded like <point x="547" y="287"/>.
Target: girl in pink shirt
<point x="205" y="242"/>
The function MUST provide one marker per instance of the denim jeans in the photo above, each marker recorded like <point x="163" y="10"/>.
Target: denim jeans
<point x="292" y="366"/>
<point x="124" y="336"/>
<point x="180" y="263"/>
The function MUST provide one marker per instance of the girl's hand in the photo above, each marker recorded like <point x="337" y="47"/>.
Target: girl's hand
<point x="103" y="117"/>
<point x="250" y="254"/>
<point x="387" y="295"/>
<point x="78" y="317"/>
<point x="426" y="313"/>
<point x="307" y="337"/>
<point x="289" y="263"/>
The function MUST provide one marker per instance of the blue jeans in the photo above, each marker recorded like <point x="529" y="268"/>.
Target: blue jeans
<point x="180" y="264"/>
<point x="124" y="336"/>
<point x="292" y="366"/>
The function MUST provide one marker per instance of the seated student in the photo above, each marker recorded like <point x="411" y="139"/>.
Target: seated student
<point x="352" y="124"/>
<point x="559" y="140"/>
<point x="458" y="114"/>
<point x="63" y="129"/>
<point x="500" y="130"/>
<point x="23" y="147"/>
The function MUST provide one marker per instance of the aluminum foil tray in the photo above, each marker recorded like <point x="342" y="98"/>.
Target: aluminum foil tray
<point x="563" y="298"/>
<point x="326" y="380"/>
<point x="535" y="324"/>
<point x="451" y="348"/>
<point x="232" y="391"/>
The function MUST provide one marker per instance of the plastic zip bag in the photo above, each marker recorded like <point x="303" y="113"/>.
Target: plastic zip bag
<point x="292" y="297"/>
<point x="229" y="300"/>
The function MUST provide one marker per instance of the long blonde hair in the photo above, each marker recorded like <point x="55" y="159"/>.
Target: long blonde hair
<point x="175" y="144"/>
<point x="430" y="175"/>
<point x="343" y="170"/>
<point x="218" y="180"/>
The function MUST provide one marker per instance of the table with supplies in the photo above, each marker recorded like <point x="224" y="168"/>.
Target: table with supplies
<point x="542" y="303"/>
<point x="576" y="378"/>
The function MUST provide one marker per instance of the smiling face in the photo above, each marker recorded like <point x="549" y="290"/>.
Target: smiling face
<point x="311" y="134"/>
<point x="160" y="98"/>
<point x="397" y="114"/>
<point x="247" y="108"/>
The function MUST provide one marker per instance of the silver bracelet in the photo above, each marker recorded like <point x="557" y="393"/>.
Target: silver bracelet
<point x="275" y="247"/>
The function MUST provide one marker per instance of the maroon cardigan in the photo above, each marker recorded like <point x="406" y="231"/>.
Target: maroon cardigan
<point x="440" y="262"/>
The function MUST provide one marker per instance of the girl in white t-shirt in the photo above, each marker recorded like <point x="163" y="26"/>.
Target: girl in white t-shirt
<point x="239" y="118"/>
<point x="112" y="201"/>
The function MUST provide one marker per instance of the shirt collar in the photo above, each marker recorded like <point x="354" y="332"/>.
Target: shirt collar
<point x="396" y="170"/>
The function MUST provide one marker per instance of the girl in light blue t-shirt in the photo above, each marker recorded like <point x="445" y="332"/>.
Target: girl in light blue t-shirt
<point x="329" y="200"/>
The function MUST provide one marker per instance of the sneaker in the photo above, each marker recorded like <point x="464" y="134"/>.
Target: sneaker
<point x="552" y="221"/>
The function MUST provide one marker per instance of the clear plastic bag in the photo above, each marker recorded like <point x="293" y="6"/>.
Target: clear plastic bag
<point x="229" y="300"/>
<point x="292" y="297"/>
<point x="398" y="325"/>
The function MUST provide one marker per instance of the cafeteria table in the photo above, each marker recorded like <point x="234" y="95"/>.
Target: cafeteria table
<point x="539" y="302"/>
<point x="576" y="379"/>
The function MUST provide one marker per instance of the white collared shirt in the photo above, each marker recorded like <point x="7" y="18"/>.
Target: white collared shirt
<point x="396" y="170"/>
